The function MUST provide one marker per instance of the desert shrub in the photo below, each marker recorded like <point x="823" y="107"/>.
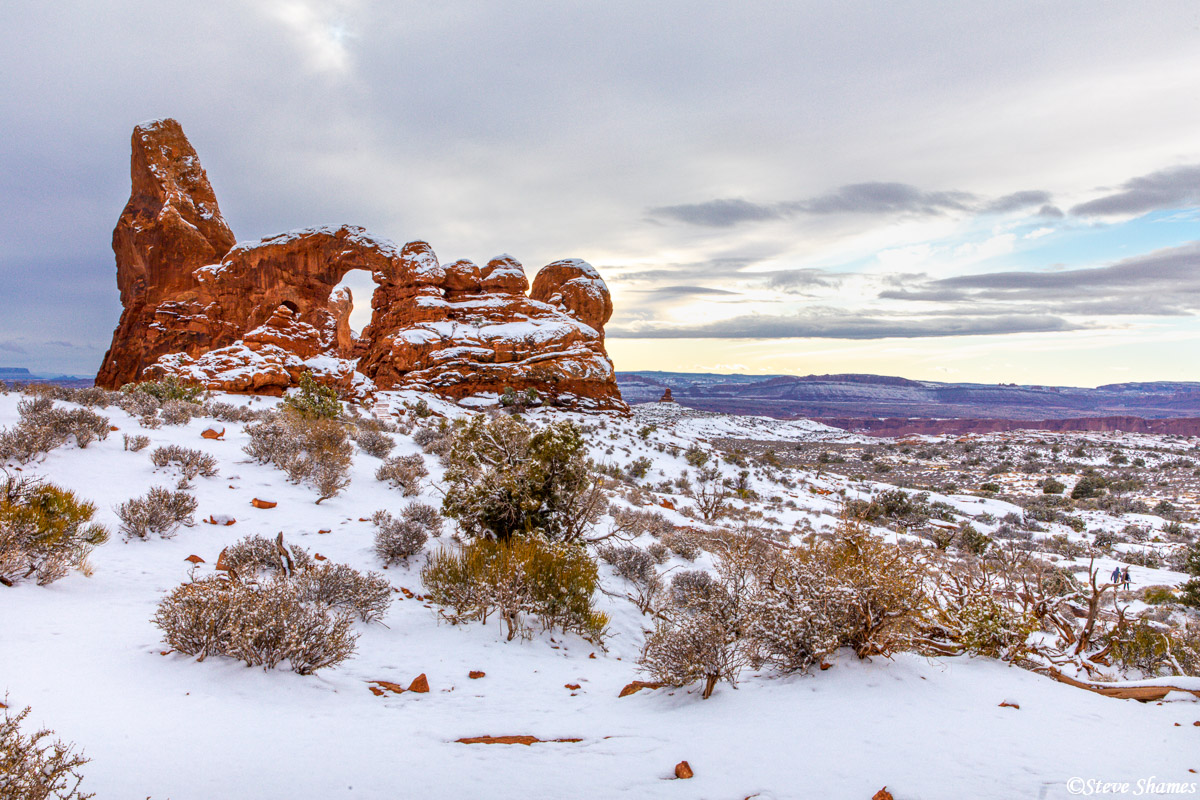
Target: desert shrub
<point x="339" y="586"/>
<point x="1189" y="561"/>
<point x="524" y="575"/>
<point x="1053" y="486"/>
<point x="1142" y="646"/>
<point x="143" y="405"/>
<point x="1158" y="595"/>
<point x="135" y="443"/>
<point x="659" y="552"/>
<point x="190" y="462"/>
<point x="1063" y="545"/>
<point x="973" y="541"/>
<point x="310" y="449"/>
<point x="434" y="439"/>
<point x="34" y="768"/>
<point x="1089" y="486"/>
<point x="227" y="412"/>
<point x="682" y="544"/>
<point x="400" y="539"/>
<point x="314" y="401"/>
<point x="710" y="493"/>
<point x="45" y="531"/>
<point x="696" y="456"/>
<point x="1105" y="539"/>
<point x="987" y="627"/>
<point x="503" y="479"/>
<point x="636" y="566"/>
<point x="42" y="426"/>
<point x="374" y="443"/>
<point x="253" y="557"/>
<point x="1189" y="593"/>
<point x="161" y="511"/>
<point x="633" y="522"/>
<point x="261" y="624"/>
<point x="763" y="607"/>
<point x="639" y="467"/>
<point x="403" y="473"/>
<point x="165" y="390"/>
<point x="179" y="412"/>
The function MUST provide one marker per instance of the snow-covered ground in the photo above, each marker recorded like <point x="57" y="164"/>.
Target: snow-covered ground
<point x="84" y="654"/>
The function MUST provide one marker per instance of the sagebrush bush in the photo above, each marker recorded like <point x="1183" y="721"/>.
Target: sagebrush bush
<point x="374" y="443"/>
<point x="161" y="511"/>
<point x="310" y="449"/>
<point x="42" y="426"/>
<point x="34" y="768"/>
<point x="252" y="557"/>
<point x="45" y="531"/>
<point x="271" y="603"/>
<point x="553" y="582"/>
<point x="637" y="567"/>
<point x="682" y="544"/>
<point x="179" y="412"/>
<point x="400" y="539"/>
<point x="135" y="443"/>
<point x="190" y="462"/>
<point x="434" y="439"/>
<point x="165" y="390"/>
<point x="404" y="473"/>
<point x="261" y="624"/>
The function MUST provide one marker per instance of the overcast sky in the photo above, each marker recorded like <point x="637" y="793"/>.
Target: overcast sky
<point x="950" y="191"/>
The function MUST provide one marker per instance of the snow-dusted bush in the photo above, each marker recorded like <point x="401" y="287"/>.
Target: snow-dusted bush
<point x="273" y="602"/>
<point x="404" y="473"/>
<point x="554" y="582"/>
<point x="33" y="768"/>
<point x="504" y="479"/>
<point x="399" y="539"/>
<point x="42" y="426"/>
<point x="630" y="523"/>
<point x="313" y="450"/>
<point x="167" y="389"/>
<point x="161" y="511"/>
<point x="261" y="624"/>
<point x="191" y="462"/>
<point x="135" y="443"/>
<point x="180" y="412"/>
<point x="338" y="586"/>
<point x="374" y="443"/>
<point x="659" y="552"/>
<point x="251" y="557"/>
<point x="637" y="567"/>
<point x="682" y="544"/>
<point x="45" y="531"/>
<point x="434" y="439"/>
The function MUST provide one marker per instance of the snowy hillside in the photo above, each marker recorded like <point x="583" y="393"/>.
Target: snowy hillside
<point x="83" y="653"/>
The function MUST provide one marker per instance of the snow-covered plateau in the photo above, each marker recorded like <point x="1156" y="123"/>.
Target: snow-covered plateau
<point x="83" y="652"/>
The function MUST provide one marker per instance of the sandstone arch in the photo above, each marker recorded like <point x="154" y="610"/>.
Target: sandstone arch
<point x="253" y="316"/>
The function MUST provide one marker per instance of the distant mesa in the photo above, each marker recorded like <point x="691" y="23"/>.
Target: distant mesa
<point x="252" y="317"/>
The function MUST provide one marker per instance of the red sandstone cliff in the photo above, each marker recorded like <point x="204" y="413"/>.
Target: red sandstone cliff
<point x="253" y="317"/>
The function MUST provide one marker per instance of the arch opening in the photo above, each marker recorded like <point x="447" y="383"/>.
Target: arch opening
<point x="362" y="288"/>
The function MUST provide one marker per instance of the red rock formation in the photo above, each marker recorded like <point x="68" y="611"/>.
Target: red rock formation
<point x="255" y="316"/>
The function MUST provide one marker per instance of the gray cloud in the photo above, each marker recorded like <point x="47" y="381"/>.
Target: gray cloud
<point x="874" y="198"/>
<point x="883" y="198"/>
<point x="1017" y="201"/>
<point x="1051" y="212"/>
<point x="1174" y="187"/>
<point x="796" y="279"/>
<point x="663" y="293"/>
<point x="718" y="213"/>
<point x="842" y="325"/>
<point x="927" y="295"/>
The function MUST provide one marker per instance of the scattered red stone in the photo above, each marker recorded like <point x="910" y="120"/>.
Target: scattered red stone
<point x="324" y="530"/>
<point x="420" y="684"/>
<point x="683" y="770"/>
<point x="407" y="593"/>
<point x="213" y="521"/>
<point x="571" y="686"/>
<point x="883" y="794"/>
<point x="319" y="557"/>
<point x="212" y="433"/>
<point x="825" y="665"/>
<point x="476" y="674"/>
<point x="667" y="504"/>
<point x="525" y="740"/>
<point x="637" y="686"/>
<point x="262" y="503"/>
<point x="195" y="559"/>
<point x="1007" y="704"/>
<point x="111" y="428"/>
<point x="381" y="686"/>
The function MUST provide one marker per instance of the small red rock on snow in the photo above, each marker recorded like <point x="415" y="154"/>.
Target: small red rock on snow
<point x="571" y="686"/>
<point x="381" y="686"/>
<point x="683" y="770"/>
<point x="637" y="686"/>
<point x="195" y="559"/>
<point x="420" y="684"/>
<point x="1008" y="704"/>
<point x="476" y="674"/>
<point x="883" y="794"/>
<point x="212" y="433"/>
<point x="262" y="503"/>
<point x="525" y="740"/>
